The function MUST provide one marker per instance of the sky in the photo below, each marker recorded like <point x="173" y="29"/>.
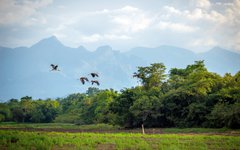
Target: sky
<point x="198" y="25"/>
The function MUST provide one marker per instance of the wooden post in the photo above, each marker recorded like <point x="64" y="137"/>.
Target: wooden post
<point x="143" y="132"/>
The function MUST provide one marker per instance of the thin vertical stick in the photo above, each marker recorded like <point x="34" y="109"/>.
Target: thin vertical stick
<point x="143" y="132"/>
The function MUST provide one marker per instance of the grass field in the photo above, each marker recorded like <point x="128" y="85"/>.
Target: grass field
<point x="57" y="126"/>
<point x="13" y="138"/>
<point x="67" y="127"/>
<point x="20" y="140"/>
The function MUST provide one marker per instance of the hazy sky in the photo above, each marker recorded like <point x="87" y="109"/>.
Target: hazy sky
<point x="193" y="24"/>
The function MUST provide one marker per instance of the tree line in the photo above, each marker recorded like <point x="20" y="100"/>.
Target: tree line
<point x="188" y="97"/>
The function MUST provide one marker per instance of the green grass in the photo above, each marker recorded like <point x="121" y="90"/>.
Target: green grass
<point x="198" y="130"/>
<point x="111" y="128"/>
<point x="57" y="126"/>
<point x="20" y="140"/>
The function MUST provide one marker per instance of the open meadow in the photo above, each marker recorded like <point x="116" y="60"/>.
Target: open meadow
<point x="104" y="137"/>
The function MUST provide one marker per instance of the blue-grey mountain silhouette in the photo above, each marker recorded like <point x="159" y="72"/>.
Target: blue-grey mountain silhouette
<point x="24" y="69"/>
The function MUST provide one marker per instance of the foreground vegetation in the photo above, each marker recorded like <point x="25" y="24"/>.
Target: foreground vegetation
<point x="18" y="140"/>
<point x="188" y="97"/>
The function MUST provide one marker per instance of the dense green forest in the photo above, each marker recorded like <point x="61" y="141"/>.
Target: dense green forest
<point x="189" y="97"/>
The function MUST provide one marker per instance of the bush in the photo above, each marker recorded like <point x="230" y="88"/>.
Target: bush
<point x="66" y="118"/>
<point x="2" y="118"/>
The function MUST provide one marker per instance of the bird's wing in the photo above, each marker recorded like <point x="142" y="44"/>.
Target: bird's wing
<point x="82" y="80"/>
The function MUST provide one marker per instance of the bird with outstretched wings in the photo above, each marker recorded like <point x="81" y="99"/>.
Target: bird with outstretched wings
<point x="83" y="80"/>
<point x="54" y="67"/>
<point x="94" y="74"/>
<point x="96" y="82"/>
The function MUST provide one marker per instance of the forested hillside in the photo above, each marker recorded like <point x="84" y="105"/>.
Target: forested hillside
<point x="188" y="97"/>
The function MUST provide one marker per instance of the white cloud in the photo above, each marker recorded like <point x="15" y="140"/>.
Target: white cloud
<point x="203" y="4"/>
<point x="128" y="9"/>
<point x="117" y="37"/>
<point x="108" y="23"/>
<point x="236" y="46"/>
<point x="196" y="14"/>
<point x="172" y="10"/>
<point x="130" y="19"/>
<point x="230" y="30"/>
<point x="132" y="23"/>
<point x="199" y="14"/>
<point x="13" y="11"/>
<point x="98" y="37"/>
<point x="216" y="26"/>
<point x="91" y="38"/>
<point x="210" y="42"/>
<point x="233" y="13"/>
<point x="175" y="27"/>
<point x="202" y="23"/>
<point x="224" y="4"/>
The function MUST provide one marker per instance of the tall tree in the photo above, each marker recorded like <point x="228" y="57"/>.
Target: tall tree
<point x="152" y="76"/>
<point x="121" y="106"/>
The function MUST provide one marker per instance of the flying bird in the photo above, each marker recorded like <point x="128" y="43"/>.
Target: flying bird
<point x="95" y="81"/>
<point x="83" y="79"/>
<point x="54" y="67"/>
<point x="94" y="74"/>
<point x="136" y="75"/>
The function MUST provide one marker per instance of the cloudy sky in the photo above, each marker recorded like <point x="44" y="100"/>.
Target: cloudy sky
<point x="197" y="25"/>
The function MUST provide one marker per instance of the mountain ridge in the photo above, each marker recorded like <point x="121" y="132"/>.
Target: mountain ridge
<point x="26" y="70"/>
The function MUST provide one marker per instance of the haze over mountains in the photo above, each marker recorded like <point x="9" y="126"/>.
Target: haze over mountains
<point x="26" y="71"/>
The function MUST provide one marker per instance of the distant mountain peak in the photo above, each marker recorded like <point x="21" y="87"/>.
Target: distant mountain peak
<point x="104" y="48"/>
<point x="81" y="47"/>
<point x="51" y="41"/>
<point x="219" y="50"/>
<point x="170" y="47"/>
<point x="52" y="37"/>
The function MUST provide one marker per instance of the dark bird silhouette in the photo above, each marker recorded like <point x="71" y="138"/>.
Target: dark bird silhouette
<point x="54" y="67"/>
<point x="94" y="74"/>
<point x="136" y="75"/>
<point x="83" y="79"/>
<point x="95" y="81"/>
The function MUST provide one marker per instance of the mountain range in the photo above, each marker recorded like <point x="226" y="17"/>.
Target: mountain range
<point x="26" y="70"/>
